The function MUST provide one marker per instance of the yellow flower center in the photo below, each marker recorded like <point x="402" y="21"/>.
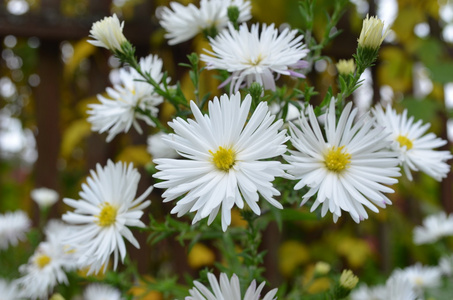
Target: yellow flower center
<point x="223" y="159"/>
<point x="107" y="216"/>
<point x="404" y="141"/>
<point x="336" y="159"/>
<point x="42" y="260"/>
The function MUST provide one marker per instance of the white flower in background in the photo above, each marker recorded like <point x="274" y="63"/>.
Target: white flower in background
<point x="121" y="109"/>
<point x="434" y="228"/>
<point x="44" y="197"/>
<point x="158" y="148"/>
<point x="415" y="149"/>
<point x="47" y="266"/>
<point x="228" y="289"/>
<point x="98" y="291"/>
<point x="255" y="55"/>
<point x="103" y="214"/>
<point x="446" y="265"/>
<point x="399" y="286"/>
<point x="8" y="290"/>
<point x="108" y="33"/>
<point x="420" y="277"/>
<point x="184" y="22"/>
<point x="13" y="226"/>
<point x="364" y="292"/>
<point x="372" y="34"/>
<point x="226" y="159"/>
<point x="348" y="168"/>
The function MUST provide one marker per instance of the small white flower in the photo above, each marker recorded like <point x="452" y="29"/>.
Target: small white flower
<point x="103" y="214"/>
<point x="399" y="286"/>
<point x="9" y="290"/>
<point x="44" y="197"/>
<point x="158" y="148"/>
<point x="434" y="228"/>
<point x="228" y="289"/>
<point x="372" y="33"/>
<point x="184" y="22"/>
<point x="254" y="56"/>
<point x="119" y="112"/>
<point x="108" y="33"/>
<point x="364" y="292"/>
<point x="13" y="226"/>
<point x="420" y="277"/>
<point x="226" y="159"/>
<point x="47" y="266"/>
<point x="101" y="291"/>
<point x="446" y="265"/>
<point x="415" y="149"/>
<point x="346" y="167"/>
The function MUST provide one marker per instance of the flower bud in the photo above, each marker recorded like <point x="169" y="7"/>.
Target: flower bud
<point x="372" y="33"/>
<point x="44" y="197"/>
<point x="108" y="33"/>
<point x="348" y="280"/>
<point x="345" y="66"/>
<point x="322" y="268"/>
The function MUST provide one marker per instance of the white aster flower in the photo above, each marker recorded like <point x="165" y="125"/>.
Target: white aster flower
<point x="100" y="292"/>
<point x="420" y="277"/>
<point x="158" y="148"/>
<point x="225" y="159"/>
<point x="47" y="266"/>
<point x="9" y="290"/>
<point x="103" y="214"/>
<point x="108" y="33"/>
<point x="434" y="228"/>
<point x="346" y="167"/>
<point x="254" y="56"/>
<point x="129" y="101"/>
<point x="228" y="289"/>
<point x="399" y="286"/>
<point x="184" y="22"/>
<point x="415" y="149"/>
<point x="13" y="226"/>
<point x="446" y="265"/>
<point x="44" y="197"/>
<point x="364" y="292"/>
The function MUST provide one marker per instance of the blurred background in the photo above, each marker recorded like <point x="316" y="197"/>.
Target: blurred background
<point x="49" y="74"/>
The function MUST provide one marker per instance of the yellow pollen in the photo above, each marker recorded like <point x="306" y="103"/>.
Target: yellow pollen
<point x="418" y="281"/>
<point x="404" y="141"/>
<point x="42" y="260"/>
<point x="336" y="160"/>
<point x="223" y="158"/>
<point x="107" y="216"/>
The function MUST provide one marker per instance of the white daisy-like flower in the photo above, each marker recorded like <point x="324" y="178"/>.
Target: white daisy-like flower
<point x="365" y="292"/>
<point x="420" y="277"/>
<point x="9" y="290"/>
<point x="98" y="291"/>
<point x="13" y="226"/>
<point x="434" y="228"/>
<point x="347" y="166"/>
<point x="184" y="22"/>
<point x="414" y="147"/>
<point x="158" y="148"/>
<point x="228" y="289"/>
<point x="446" y="265"/>
<point x="103" y="214"/>
<point x="47" y="266"/>
<point x="129" y="101"/>
<point x="255" y="55"/>
<point x="399" y="286"/>
<point x="44" y="197"/>
<point x="108" y="33"/>
<point x="226" y="159"/>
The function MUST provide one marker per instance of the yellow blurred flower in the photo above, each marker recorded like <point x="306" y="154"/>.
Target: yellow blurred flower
<point x="322" y="268"/>
<point x="356" y="251"/>
<point x="237" y="220"/>
<point x="200" y="256"/>
<point x="141" y="291"/>
<point x="291" y="255"/>
<point x="345" y="66"/>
